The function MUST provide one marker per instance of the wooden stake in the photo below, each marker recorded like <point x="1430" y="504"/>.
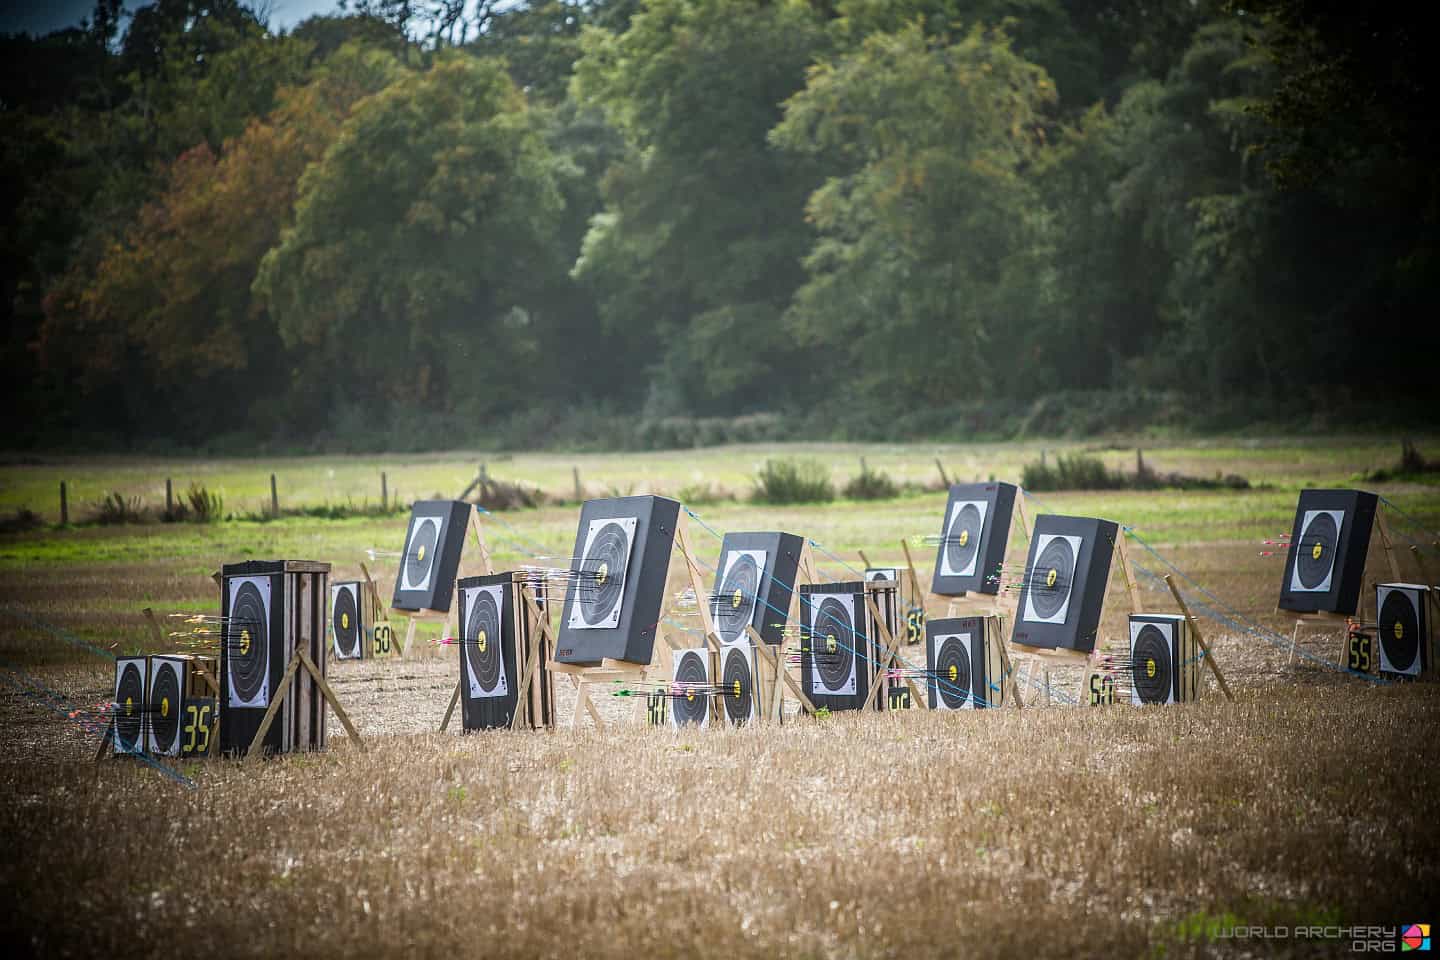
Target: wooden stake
<point x="863" y="559"/>
<point x="1199" y="638"/>
<point x="1386" y="543"/>
<point x="943" y="478"/>
<point x="106" y="740"/>
<point x="64" y="506"/>
<point x="579" y="493"/>
<point x="169" y="499"/>
<point x="1131" y="585"/>
<point x="384" y="492"/>
<point x="454" y="699"/>
<point x="274" y="498"/>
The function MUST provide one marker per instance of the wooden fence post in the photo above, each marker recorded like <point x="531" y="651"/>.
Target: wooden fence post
<point x="169" y="499"/>
<point x="384" y="493"/>
<point x="579" y="494"/>
<point x="64" y="505"/>
<point x="274" y="498"/>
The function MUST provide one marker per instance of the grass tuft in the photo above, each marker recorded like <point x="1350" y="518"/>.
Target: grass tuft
<point x="794" y="480"/>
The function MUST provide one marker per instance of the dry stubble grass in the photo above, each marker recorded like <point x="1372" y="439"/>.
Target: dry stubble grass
<point x="1001" y="833"/>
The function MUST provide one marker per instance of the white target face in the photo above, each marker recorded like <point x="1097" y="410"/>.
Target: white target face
<point x="690" y="688"/>
<point x="598" y="586"/>
<point x="737" y="593"/>
<point x="1152" y="647"/>
<point x="1314" y="568"/>
<point x="737" y="682"/>
<point x="1051" y="580"/>
<point x="480" y="638"/>
<point x="954" y="670"/>
<point x="166" y="700"/>
<point x="247" y="641"/>
<point x="882" y="575"/>
<point x="834" y="647"/>
<point x="961" y="550"/>
<point x="417" y="566"/>
<point x="346" y="630"/>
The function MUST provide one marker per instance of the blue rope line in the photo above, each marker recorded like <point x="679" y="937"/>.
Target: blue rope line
<point x="1413" y="524"/>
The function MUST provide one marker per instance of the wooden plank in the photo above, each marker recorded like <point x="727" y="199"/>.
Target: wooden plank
<point x="884" y="660"/>
<point x="1009" y="668"/>
<point x="486" y="567"/>
<point x="273" y="709"/>
<point x="528" y="687"/>
<point x="334" y="701"/>
<point x="106" y="741"/>
<point x="306" y="566"/>
<point x="303" y="729"/>
<point x="1199" y="638"/>
<point x="1132" y="586"/>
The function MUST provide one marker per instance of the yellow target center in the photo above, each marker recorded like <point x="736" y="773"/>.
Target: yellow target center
<point x="830" y="643"/>
<point x="345" y="621"/>
<point x="1150" y="668"/>
<point x="689" y="695"/>
<point x="964" y="537"/>
<point x="420" y="553"/>
<point x="602" y="573"/>
<point x="737" y="599"/>
<point x="129" y="706"/>
<point x="164" y="706"/>
<point x="1316" y="550"/>
<point x="482" y="641"/>
<point x="1399" y="630"/>
<point x="1051" y="577"/>
<point x="954" y="673"/>
<point x="244" y="643"/>
<point x="737" y="689"/>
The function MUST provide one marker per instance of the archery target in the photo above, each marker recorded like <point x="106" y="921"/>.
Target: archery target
<point x="831" y="644"/>
<point x="166" y="701"/>
<point x="1315" y="551"/>
<point x="422" y="548"/>
<point x="1399" y="629"/>
<point x="690" y="689"/>
<point x="247" y="642"/>
<point x="481" y="638"/>
<point x="345" y="620"/>
<point x="130" y="705"/>
<point x="737" y="596"/>
<point x="1049" y="583"/>
<point x="1152" y="667"/>
<point x="962" y="538"/>
<point x="954" y="673"/>
<point x="882" y="575"/>
<point x="600" y="581"/>
<point x="737" y="681"/>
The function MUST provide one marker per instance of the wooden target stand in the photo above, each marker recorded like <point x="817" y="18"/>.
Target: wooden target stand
<point x="536" y="686"/>
<point x="1325" y="622"/>
<point x="206" y="668"/>
<point x="992" y="610"/>
<point x="1434" y="595"/>
<point x="417" y="617"/>
<point x="770" y="668"/>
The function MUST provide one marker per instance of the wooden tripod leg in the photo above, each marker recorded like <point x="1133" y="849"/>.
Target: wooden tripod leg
<point x="106" y="741"/>
<point x="274" y="708"/>
<point x="1200" y="639"/>
<point x="454" y="699"/>
<point x="1294" y="642"/>
<point x="1009" y="671"/>
<point x="886" y="655"/>
<point x="330" y="698"/>
<point x="404" y="648"/>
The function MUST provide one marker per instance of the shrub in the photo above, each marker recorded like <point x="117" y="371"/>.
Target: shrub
<point x="702" y="493"/>
<point x="116" y="508"/>
<point x="1077" y="472"/>
<point x="203" y="506"/>
<point x="793" y="481"/>
<point x="870" y="485"/>
<point x="20" y="521"/>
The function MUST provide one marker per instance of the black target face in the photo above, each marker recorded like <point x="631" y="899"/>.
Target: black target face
<point x="346" y="619"/>
<point x="420" y="557"/>
<point x="1150" y="665"/>
<point x="832" y="642"/>
<point x="1399" y="631"/>
<point x="962" y="542"/>
<point x="735" y="600"/>
<point x="165" y="707"/>
<point x="735" y="682"/>
<point x="1050" y="579"/>
<point x="685" y="707"/>
<point x="247" y="643"/>
<point x="129" y="706"/>
<point x="482" y="641"/>
<point x="602" y="573"/>
<point x="1316" y="556"/>
<point x="952" y="672"/>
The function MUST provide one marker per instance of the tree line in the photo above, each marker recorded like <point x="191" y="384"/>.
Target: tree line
<point x="416" y="224"/>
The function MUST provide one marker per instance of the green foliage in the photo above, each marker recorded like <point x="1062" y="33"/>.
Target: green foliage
<point x="116" y="508"/>
<point x="204" y="505"/>
<point x="795" y="480"/>
<point x="1073" y="472"/>
<point x="870" y="485"/>
<point x="665" y="223"/>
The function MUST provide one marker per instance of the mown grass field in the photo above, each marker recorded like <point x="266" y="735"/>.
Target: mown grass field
<point x="1049" y="831"/>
